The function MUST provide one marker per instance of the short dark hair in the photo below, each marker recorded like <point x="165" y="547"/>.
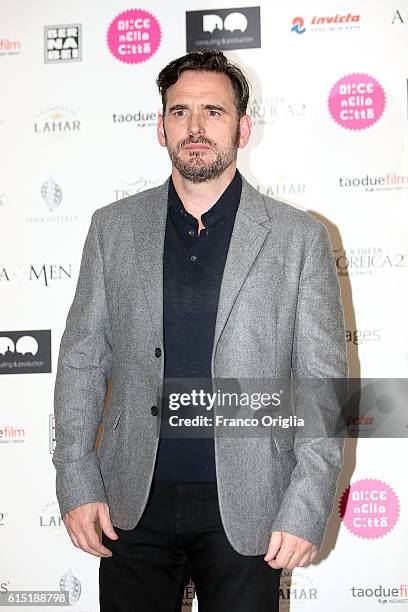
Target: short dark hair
<point x="206" y="61"/>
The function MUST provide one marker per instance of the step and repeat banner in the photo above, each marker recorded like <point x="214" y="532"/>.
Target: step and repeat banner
<point x="78" y="115"/>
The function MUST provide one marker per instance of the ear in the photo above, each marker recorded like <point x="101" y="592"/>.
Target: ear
<point x="160" y="129"/>
<point x="245" y="127"/>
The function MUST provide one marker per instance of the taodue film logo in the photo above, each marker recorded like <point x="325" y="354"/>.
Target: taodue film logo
<point x="11" y="434"/>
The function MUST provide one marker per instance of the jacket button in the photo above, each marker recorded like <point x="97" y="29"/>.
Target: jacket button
<point x="157" y="351"/>
<point x="154" y="410"/>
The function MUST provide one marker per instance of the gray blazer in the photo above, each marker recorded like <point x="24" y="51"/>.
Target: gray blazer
<point x="279" y="314"/>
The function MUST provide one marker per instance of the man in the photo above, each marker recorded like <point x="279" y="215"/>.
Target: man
<point x="201" y="278"/>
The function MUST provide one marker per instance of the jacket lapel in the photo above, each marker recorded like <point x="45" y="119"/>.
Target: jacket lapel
<point x="247" y="238"/>
<point x="149" y="224"/>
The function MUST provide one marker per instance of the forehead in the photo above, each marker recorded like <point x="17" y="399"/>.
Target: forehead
<point x="201" y="86"/>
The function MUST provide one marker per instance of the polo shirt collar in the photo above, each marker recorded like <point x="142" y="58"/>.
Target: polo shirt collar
<point x="226" y="205"/>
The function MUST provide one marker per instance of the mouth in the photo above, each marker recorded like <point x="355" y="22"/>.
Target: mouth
<point x="197" y="147"/>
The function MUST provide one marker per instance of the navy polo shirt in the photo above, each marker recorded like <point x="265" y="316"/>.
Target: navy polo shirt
<point x="193" y="265"/>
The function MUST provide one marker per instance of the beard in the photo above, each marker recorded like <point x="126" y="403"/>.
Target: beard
<point x="195" y="168"/>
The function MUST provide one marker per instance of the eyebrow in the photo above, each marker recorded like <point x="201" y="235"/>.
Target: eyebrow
<point x="204" y="106"/>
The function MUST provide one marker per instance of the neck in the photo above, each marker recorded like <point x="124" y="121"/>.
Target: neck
<point x="199" y="197"/>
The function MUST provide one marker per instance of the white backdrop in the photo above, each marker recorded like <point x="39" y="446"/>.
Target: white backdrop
<point x="329" y="106"/>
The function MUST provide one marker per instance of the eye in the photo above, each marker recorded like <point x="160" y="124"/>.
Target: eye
<point x="213" y="112"/>
<point x="179" y="112"/>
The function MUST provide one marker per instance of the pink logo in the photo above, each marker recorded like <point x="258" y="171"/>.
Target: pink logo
<point x="356" y="101"/>
<point x="134" y="36"/>
<point x="369" y="508"/>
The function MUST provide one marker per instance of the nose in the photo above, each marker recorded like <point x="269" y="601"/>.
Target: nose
<point x="195" y="124"/>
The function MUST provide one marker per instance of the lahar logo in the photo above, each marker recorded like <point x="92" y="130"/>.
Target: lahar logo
<point x="369" y="508"/>
<point x="237" y="28"/>
<point x="57" y="122"/>
<point x="134" y="36"/>
<point x="356" y="101"/>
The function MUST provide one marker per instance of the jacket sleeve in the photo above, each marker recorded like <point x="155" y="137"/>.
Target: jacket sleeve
<point x="84" y="366"/>
<point x="319" y="381"/>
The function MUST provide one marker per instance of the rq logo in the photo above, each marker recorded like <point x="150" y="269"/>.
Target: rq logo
<point x="233" y="21"/>
<point x="298" y="25"/>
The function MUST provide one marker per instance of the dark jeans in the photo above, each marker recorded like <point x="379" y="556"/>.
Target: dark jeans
<point x="179" y="535"/>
